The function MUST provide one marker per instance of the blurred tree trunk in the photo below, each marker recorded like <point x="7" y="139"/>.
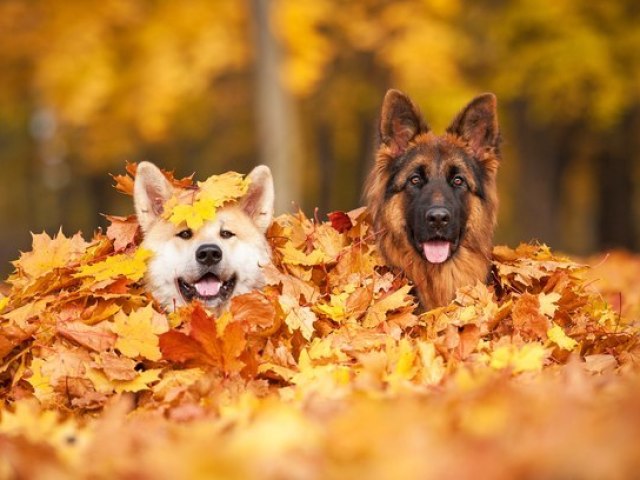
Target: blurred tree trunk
<point x="277" y="126"/>
<point x="615" y="166"/>
<point x="369" y="145"/>
<point x="544" y="154"/>
<point x="326" y="159"/>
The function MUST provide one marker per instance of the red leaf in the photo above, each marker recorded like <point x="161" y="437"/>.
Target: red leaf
<point x="340" y="221"/>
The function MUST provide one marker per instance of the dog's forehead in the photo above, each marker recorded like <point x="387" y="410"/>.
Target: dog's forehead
<point x="210" y="229"/>
<point x="229" y="218"/>
<point x="437" y="157"/>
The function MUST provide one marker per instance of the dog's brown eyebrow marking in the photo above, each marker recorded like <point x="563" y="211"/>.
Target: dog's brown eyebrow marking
<point x="478" y="175"/>
<point x="394" y="168"/>
<point x="460" y="158"/>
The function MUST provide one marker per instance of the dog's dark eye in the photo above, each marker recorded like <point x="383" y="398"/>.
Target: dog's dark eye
<point x="457" y="181"/>
<point x="185" y="234"/>
<point x="226" y="234"/>
<point x="415" y="179"/>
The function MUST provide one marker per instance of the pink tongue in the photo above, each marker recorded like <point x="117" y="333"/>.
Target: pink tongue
<point x="436" y="251"/>
<point x="208" y="286"/>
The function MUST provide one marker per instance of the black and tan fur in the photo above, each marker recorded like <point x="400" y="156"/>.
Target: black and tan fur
<point x="416" y="173"/>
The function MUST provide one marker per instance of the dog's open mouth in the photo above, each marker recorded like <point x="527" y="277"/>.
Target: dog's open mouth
<point x="207" y="288"/>
<point x="438" y="251"/>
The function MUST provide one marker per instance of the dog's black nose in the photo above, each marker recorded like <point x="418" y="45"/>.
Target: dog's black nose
<point x="438" y="217"/>
<point x="208" y="255"/>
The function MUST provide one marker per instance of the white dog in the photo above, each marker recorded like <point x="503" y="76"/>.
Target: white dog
<point x="222" y="259"/>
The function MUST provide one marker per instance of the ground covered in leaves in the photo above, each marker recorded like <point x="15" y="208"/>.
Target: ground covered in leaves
<point x="331" y="371"/>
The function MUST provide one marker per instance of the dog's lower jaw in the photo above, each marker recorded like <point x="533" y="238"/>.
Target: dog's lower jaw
<point x="436" y="284"/>
<point x="191" y="291"/>
<point x="441" y="281"/>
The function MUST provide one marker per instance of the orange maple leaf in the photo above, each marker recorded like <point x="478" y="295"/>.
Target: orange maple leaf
<point x="48" y="254"/>
<point x="124" y="183"/>
<point x="204" y="345"/>
<point x="123" y="231"/>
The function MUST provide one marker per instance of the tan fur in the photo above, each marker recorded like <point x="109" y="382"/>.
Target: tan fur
<point x="436" y="284"/>
<point x="243" y="255"/>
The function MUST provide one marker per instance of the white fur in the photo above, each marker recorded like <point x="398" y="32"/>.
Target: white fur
<point x="243" y="255"/>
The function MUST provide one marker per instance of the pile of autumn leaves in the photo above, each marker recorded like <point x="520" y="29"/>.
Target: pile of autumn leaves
<point x="329" y="371"/>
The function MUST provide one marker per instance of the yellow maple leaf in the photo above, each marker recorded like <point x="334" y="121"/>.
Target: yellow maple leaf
<point x="322" y="348"/>
<point x="336" y="309"/>
<point x="402" y="356"/>
<point x="194" y="215"/>
<point x="548" y="303"/>
<point x="212" y="194"/>
<point x="293" y="256"/>
<point x="4" y="301"/>
<point x="220" y="189"/>
<point x="132" y="267"/>
<point x="328" y="240"/>
<point x="297" y="317"/>
<point x="141" y="382"/>
<point x="137" y="336"/>
<point x="377" y="313"/>
<point x="433" y="369"/>
<point x="557" y="335"/>
<point x="327" y="379"/>
<point x="40" y="382"/>
<point x="529" y="358"/>
<point x="49" y="253"/>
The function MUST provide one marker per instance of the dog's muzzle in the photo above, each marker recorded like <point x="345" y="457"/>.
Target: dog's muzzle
<point x="441" y="241"/>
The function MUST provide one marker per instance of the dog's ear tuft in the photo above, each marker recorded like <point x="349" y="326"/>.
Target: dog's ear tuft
<point x="477" y="124"/>
<point x="400" y="121"/>
<point x="259" y="200"/>
<point x="150" y="192"/>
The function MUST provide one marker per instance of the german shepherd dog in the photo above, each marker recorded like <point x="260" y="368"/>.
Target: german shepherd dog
<point x="433" y="198"/>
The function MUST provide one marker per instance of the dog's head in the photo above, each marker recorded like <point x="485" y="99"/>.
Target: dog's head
<point x="221" y="259"/>
<point x="436" y="192"/>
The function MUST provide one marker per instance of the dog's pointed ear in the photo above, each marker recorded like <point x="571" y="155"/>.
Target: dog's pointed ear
<point x="150" y="192"/>
<point x="259" y="200"/>
<point x="400" y="121"/>
<point x="477" y="123"/>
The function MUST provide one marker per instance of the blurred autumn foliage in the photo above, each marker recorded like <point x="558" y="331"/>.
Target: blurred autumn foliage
<point x="329" y="371"/>
<point x="214" y="86"/>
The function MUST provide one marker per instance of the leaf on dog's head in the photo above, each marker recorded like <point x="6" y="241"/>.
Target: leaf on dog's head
<point x="124" y="183"/>
<point x="224" y="188"/>
<point x="213" y="193"/>
<point x="193" y="215"/>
